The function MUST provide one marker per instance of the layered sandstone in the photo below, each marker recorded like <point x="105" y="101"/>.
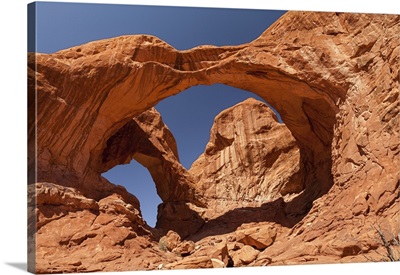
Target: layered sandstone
<point x="78" y="234"/>
<point x="333" y="77"/>
<point x="250" y="159"/>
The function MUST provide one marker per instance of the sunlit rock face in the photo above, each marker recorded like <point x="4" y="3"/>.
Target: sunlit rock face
<point x="333" y="77"/>
<point x="250" y="159"/>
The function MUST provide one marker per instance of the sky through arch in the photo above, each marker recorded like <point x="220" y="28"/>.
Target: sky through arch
<point x="190" y="114"/>
<point x="190" y="123"/>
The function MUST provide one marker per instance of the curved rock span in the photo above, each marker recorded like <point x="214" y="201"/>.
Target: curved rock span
<point x="322" y="188"/>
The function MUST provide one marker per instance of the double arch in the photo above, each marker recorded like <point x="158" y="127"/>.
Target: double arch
<point x="119" y="78"/>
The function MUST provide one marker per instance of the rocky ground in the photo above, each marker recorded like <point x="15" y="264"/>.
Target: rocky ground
<point x="321" y="188"/>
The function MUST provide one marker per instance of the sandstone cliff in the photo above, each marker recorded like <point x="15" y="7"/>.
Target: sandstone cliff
<point x="333" y="77"/>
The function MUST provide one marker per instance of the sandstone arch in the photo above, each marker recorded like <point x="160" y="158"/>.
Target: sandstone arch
<point x="98" y="87"/>
<point x="119" y="78"/>
<point x="333" y="78"/>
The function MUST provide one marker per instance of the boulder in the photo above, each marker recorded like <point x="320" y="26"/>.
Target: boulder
<point x="170" y="241"/>
<point x="257" y="237"/>
<point x="244" y="256"/>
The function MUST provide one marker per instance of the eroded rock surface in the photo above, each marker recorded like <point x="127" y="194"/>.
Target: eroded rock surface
<point x="148" y="140"/>
<point x="320" y="194"/>
<point x="78" y="234"/>
<point x="251" y="159"/>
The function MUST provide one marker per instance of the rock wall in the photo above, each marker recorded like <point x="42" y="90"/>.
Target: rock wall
<point x="78" y="234"/>
<point x="250" y="159"/>
<point x="333" y="77"/>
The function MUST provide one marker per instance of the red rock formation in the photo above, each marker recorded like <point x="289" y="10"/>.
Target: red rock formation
<point x="170" y="241"/>
<point x="148" y="140"/>
<point x="76" y="234"/>
<point x="250" y="159"/>
<point x="333" y="77"/>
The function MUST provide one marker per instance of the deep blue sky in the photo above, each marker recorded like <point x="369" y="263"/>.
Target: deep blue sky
<point x="190" y="114"/>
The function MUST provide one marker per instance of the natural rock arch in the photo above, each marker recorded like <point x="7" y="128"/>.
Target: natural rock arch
<point x="333" y="77"/>
<point x="119" y="78"/>
<point x="100" y="86"/>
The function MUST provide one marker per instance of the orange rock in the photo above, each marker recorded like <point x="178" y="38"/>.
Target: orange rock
<point x="249" y="160"/>
<point x="217" y="263"/>
<point x="220" y="252"/>
<point x="322" y="182"/>
<point x="184" y="248"/>
<point x="170" y="241"/>
<point x="244" y="256"/>
<point x="257" y="237"/>
<point x="191" y="263"/>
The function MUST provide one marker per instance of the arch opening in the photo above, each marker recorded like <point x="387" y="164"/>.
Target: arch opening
<point x="190" y="115"/>
<point x="307" y="107"/>
<point x="132" y="142"/>
<point x="138" y="181"/>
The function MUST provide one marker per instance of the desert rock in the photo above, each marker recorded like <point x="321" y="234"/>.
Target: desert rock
<point x="257" y="237"/>
<point x="249" y="160"/>
<point x="221" y="254"/>
<point x="244" y="256"/>
<point x="333" y="168"/>
<point x="185" y="248"/>
<point x="170" y="241"/>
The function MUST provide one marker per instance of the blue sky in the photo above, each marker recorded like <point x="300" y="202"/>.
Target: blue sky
<point x="190" y="114"/>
